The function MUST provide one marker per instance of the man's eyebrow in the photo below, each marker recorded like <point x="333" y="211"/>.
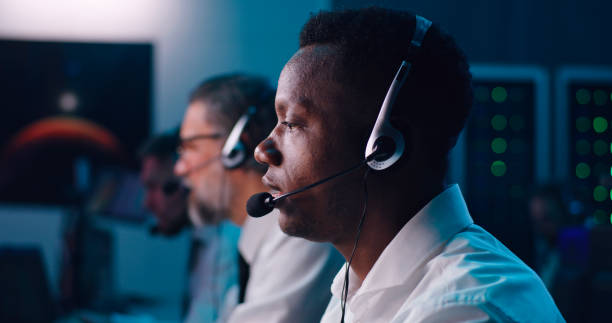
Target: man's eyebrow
<point x="301" y="102"/>
<point x="306" y="103"/>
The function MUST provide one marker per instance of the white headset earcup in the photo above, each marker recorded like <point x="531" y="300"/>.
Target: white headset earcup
<point x="236" y="156"/>
<point x="388" y="144"/>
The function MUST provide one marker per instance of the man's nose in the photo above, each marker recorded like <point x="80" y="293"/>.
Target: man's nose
<point x="180" y="168"/>
<point x="267" y="153"/>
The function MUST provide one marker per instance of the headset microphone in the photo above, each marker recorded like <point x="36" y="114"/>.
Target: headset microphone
<point x="263" y="203"/>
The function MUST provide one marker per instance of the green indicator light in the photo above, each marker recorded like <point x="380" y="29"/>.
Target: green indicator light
<point x="517" y="123"/>
<point x="583" y="170"/>
<point x="600" y="124"/>
<point x="499" y="94"/>
<point x="610" y="218"/>
<point x="499" y="122"/>
<point x="499" y="145"/>
<point x="481" y="93"/>
<point x="583" y="96"/>
<point x="611" y="195"/>
<point x="600" y="216"/>
<point x="600" y="147"/>
<point x="583" y="124"/>
<point x="583" y="147"/>
<point x="600" y="193"/>
<point x="498" y="168"/>
<point x="600" y="97"/>
<point x="610" y="175"/>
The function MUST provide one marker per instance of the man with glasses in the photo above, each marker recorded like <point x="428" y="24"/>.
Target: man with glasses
<point x="212" y="268"/>
<point x="282" y="279"/>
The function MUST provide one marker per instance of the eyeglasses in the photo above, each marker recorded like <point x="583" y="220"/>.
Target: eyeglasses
<point x="171" y="186"/>
<point x="186" y="142"/>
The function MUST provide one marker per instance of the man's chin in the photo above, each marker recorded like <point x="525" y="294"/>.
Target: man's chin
<point x="296" y="225"/>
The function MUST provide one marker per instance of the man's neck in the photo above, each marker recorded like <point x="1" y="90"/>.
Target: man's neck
<point x="388" y="212"/>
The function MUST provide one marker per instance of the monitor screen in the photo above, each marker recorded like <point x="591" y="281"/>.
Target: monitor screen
<point x="66" y="105"/>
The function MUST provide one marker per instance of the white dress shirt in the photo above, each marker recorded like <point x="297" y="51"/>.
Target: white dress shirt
<point x="213" y="280"/>
<point x="289" y="277"/>
<point x="441" y="267"/>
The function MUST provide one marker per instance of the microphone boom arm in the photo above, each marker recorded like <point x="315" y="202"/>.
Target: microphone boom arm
<point x="344" y="172"/>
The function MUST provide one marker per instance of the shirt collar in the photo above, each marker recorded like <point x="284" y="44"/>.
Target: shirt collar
<point x="438" y="221"/>
<point x="204" y="234"/>
<point x="253" y="234"/>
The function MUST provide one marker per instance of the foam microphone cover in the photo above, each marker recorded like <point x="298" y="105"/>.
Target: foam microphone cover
<point x="256" y="205"/>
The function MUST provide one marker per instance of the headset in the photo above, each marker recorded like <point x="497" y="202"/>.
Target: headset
<point x="386" y="144"/>
<point x="234" y="152"/>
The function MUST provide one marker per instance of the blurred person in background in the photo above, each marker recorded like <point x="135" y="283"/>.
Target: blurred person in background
<point x="561" y="250"/>
<point x="282" y="279"/>
<point x="548" y="216"/>
<point x="212" y="267"/>
<point x="164" y="195"/>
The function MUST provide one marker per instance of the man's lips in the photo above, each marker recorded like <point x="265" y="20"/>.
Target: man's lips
<point x="275" y="194"/>
<point x="275" y="191"/>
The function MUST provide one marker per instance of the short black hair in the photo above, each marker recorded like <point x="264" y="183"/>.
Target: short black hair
<point x="230" y="95"/>
<point x="162" y="146"/>
<point x="371" y="44"/>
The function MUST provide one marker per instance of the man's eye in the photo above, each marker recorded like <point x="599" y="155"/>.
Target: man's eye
<point x="289" y="125"/>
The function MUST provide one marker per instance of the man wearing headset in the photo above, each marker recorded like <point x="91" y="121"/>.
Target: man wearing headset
<point x="282" y="279"/>
<point x="212" y="268"/>
<point x="415" y="254"/>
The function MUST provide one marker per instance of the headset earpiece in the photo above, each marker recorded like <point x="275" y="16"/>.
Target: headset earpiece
<point x="386" y="144"/>
<point x="236" y="156"/>
<point x="234" y="152"/>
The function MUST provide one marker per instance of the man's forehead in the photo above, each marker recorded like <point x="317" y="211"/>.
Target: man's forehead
<point x="315" y="61"/>
<point x="155" y="168"/>
<point x="308" y="79"/>
<point x="198" y="120"/>
<point x="158" y="164"/>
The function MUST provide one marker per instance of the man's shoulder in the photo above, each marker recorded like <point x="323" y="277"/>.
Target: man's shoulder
<point x="476" y="265"/>
<point x="475" y="248"/>
<point x="474" y="271"/>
